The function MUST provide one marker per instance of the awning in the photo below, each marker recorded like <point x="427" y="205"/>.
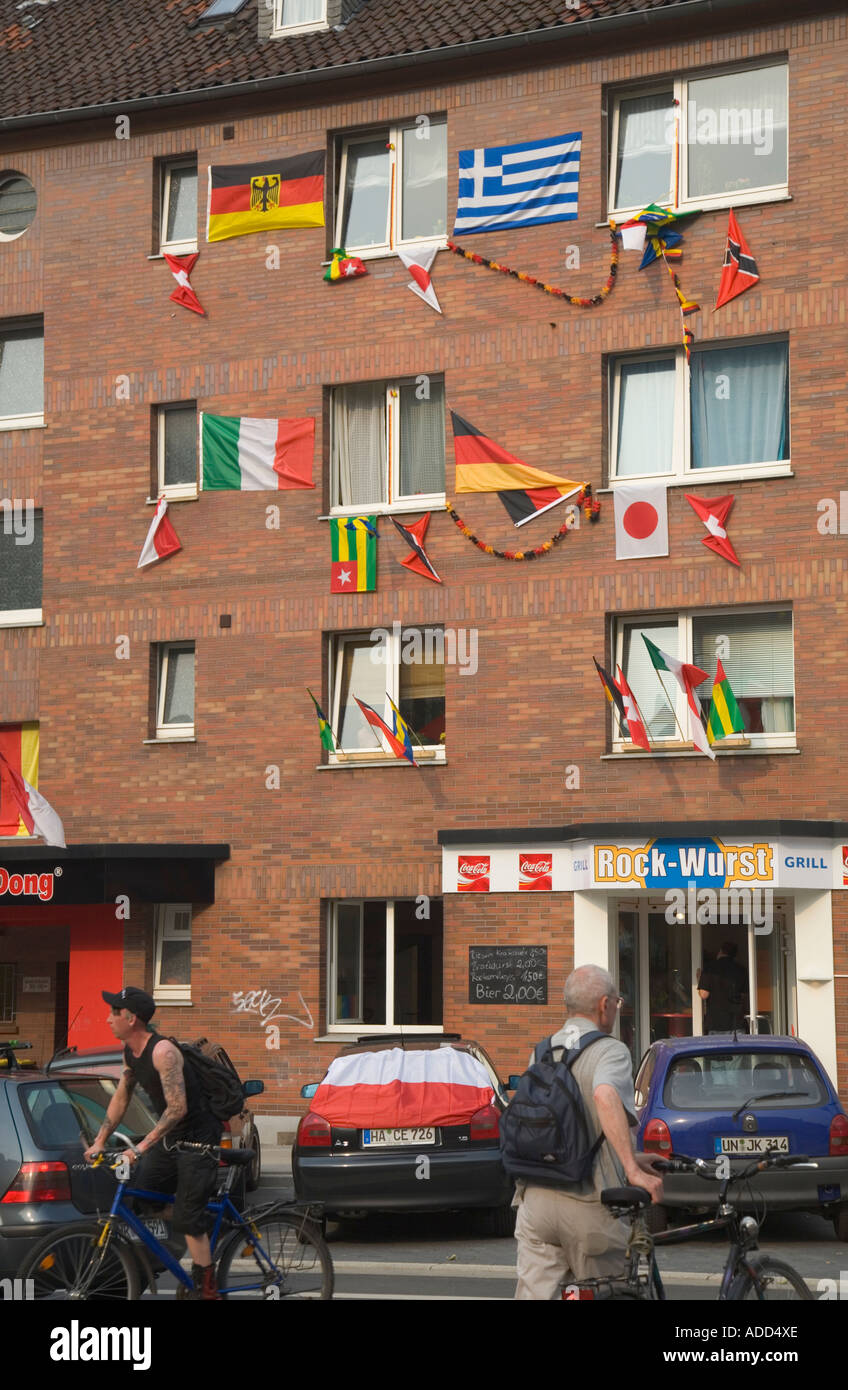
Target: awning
<point x="101" y="873"/>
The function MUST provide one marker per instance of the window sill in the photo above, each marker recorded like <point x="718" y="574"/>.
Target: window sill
<point x="722" y="204"/>
<point x="11" y="620"/>
<point x="737" y="750"/>
<point x="291" y="30"/>
<point x="385" y="253"/>
<point x="747" y="474"/>
<point x="175" y="738"/>
<point x="183" y="250"/>
<point x="169" y="498"/>
<point x="172" y="1003"/>
<point x="433" y="502"/>
<point x="23" y="422"/>
<point x="423" y="756"/>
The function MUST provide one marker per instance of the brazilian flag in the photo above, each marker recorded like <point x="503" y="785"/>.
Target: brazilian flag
<point x="725" y="715"/>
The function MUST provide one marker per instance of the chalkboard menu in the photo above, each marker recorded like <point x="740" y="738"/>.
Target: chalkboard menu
<point x="508" y="974"/>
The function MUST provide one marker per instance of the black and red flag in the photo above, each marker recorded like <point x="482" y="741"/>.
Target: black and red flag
<point x="739" y="271"/>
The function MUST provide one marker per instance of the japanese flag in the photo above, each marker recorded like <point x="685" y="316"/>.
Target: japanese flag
<point x="641" y="520"/>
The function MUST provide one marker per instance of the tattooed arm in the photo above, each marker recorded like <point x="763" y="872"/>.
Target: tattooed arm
<point x="168" y="1061"/>
<point x="115" y="1113"/>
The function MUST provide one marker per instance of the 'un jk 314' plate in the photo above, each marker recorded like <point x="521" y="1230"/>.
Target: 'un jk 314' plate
<point x="752" y="1144"/>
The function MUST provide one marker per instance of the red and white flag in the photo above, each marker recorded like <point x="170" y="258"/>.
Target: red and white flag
<point x="181" y="268"/>
<point x="636" y="728"/>
<point x="36" y="812"/>
<point x="714" y="512"/>
<point x="399" y="1089"/>
<point x="162" y="539"/>
<point x="418" y="264"/>
<point x="641" y="520"/>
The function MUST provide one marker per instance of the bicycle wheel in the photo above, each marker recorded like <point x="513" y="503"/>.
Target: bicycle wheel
<point x="290" y="1259"/>
<point x="772" y="1282"/>
<point x="68" y="1265"/>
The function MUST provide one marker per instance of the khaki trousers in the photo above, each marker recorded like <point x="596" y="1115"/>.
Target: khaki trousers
<point x="562" y="1240"/>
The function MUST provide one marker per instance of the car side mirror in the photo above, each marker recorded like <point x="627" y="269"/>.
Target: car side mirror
<point x="513" y="1081"/>
<point x="309" y="1090"/>
<point x="253" y="1088"/>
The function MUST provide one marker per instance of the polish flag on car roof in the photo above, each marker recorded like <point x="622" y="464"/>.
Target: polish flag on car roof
<point x="394" y="1087"/>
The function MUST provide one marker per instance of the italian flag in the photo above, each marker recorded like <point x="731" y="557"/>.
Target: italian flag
<point x="246" y="454"/>
<point x="725" y="715"/>
<point x="687" y="677"/>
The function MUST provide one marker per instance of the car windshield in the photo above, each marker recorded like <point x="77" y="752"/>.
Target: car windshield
<point x="62" y="1113"/>
<point x="725" y="1080"/>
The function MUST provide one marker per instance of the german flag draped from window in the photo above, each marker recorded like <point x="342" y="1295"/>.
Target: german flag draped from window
<point x="19" y="746"/>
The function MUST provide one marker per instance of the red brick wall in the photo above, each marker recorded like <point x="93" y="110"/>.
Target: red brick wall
<point x="520" y="364"/>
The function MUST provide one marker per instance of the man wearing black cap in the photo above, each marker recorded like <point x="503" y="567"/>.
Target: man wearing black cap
<point x="157" y="1065"/>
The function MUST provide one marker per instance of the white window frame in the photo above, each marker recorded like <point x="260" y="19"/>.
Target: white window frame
<point x="7" y="177"/>
<point x="171" y="732"/>
<point x="176" y="491"/>
<point x="188" y="244"/>
<point x="394" y="220"/>
<point x="24" y="617"/>
<point x="353" y="1029"/>
<point x="392" y="502"/>
<point x="165" y="931"/>
<point x="433" y="752"/>
<point x="34" y="420"/>
<point x="311" y="26"/>
<point x="767" y="193"/>
<point x="682" y="471"/>
<point x="733" y="742"/>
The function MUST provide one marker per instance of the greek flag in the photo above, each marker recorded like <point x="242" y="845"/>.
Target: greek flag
<point x="518" y="185"/>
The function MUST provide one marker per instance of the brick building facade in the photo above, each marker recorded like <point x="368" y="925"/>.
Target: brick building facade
<point x="265" y="836"/>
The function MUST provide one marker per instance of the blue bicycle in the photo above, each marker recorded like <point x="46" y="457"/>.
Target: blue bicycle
<point x="272" y="1252"/>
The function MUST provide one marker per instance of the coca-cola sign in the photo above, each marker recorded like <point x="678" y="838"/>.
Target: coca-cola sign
<point x="534" y="872"/>
<point x="473" y="873"/>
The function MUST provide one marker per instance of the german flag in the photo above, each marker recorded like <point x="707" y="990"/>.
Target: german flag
<point x="19" y="746"/>
<point x="265" y="197"/>
<point x="483" y="466"/>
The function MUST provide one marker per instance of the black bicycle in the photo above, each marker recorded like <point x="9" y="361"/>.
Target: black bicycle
<point x="748" y="1274"/>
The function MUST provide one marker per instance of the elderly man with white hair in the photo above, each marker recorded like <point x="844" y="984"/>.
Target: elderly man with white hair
<point x="564" y="1234"/>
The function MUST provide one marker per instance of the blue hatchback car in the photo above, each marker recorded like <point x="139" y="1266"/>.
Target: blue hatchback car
<point x="740" y="1096"/>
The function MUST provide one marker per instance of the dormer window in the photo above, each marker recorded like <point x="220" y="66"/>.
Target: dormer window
<point x="299" y="16"/>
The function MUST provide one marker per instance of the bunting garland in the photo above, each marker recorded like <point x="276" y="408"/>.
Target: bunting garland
<point x="591" y="510"/>
<point x="576" y="300"/>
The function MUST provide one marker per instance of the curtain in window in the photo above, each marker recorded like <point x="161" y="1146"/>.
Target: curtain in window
<point x="22" y="372"/>
<point x="740" y="405"/>
<point x="421" y="698"/>
<point x="425" y="172"/>
<point x="644" y="681"/>
<point x="736" y="136"/>
<point x="303" y="11"/>
<point x="643" y="157"/>
<point x="645" y="417"/>
<point x="422" y="441"/>
<point x="182" y="204"/>
<point x="365" y="219"/>
<point x="759" y="665"/>
<point x="359" y="444"/>
<point x="180" y="446"/>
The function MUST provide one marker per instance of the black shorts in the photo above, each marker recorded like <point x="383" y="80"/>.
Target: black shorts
<point x="191" y="1177"/>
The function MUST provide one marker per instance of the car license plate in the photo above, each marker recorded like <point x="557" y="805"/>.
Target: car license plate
<point x="389" y="1138"/>
<point x="155" y="1225"/>
<point x="752" y="1144"/>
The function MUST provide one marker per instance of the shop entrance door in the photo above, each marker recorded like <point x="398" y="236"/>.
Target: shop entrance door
<point x="767" y="959"/>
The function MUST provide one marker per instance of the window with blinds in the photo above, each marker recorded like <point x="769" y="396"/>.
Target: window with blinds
<point x="756" y="653"/>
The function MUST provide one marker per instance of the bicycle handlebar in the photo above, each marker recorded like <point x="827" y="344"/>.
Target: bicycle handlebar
<point x="704" y="1168"/>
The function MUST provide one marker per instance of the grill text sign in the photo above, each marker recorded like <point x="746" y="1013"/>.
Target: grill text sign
<point x="508" y="974"/>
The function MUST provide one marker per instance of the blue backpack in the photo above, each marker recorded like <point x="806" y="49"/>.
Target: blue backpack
<point x="544" y="1130"/>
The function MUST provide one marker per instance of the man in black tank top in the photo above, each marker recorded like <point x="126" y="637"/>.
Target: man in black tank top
<point x="156" y="1064"/>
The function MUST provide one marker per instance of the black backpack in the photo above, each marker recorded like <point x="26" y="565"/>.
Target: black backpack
<point x="544" y="1131"/>
<point x="221" y="1089"/>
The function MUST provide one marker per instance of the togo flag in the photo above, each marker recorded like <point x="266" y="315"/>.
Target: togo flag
<point x="354" y="554"/>
<point x="255" y="455"/>
<point x="266" y="197"/>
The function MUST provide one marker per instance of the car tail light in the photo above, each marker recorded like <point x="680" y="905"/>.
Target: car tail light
<point x="40" y="1182"/>
<point x="657" y="1139"/>
<point x="839" y="1136"/>
<point x="226" y="1137"/>
<point x="313" y="1132"/>
<point x="485" y="1124"/>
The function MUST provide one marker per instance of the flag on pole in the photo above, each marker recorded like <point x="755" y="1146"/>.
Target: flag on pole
<point x="323" y="725"/>
<point x="402" y="732"/>
<point x="36" y="812"/>
<point x="266" y="197"/>
<point x="725" y="715"/>
<point x="353" y="542"/>
<point x="162" y="540"/>
<point x="398" y="747"/>
<point x="418" y="264"/>
<point x="739" y="271"/>
<point x="714" y="512"/>
<point x="522" y="185"/>
<point x="418" y="562"/>
<point x="638" y="732"/>
<point x="181" y="268"/>
<point x="245" y="454"/>
<point x="611" y="690"/>
<point x="687" y="677"/>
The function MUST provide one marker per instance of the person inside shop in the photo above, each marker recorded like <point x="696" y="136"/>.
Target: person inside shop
<point x="723" y="986"/>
